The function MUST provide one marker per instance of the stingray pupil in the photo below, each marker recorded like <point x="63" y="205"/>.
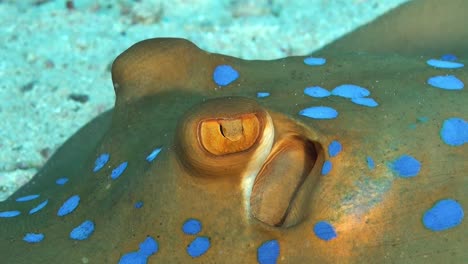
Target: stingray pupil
<point x="228" y="131"/>
<point x="221" y="130"/>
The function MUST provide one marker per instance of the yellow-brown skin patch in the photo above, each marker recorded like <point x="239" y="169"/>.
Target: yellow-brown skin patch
<point x="158" y="81"/>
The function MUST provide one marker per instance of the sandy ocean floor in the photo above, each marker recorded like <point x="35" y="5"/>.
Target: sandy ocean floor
<point x="55" y="55"/>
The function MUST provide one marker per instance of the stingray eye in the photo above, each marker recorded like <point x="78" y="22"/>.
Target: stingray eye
<point x="226" y="136"/>
<point x="221" y="136"/>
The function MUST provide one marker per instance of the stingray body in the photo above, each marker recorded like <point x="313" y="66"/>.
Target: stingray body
<point x="193" y="166"/>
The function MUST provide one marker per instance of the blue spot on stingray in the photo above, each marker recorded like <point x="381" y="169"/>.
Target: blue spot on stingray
<point x="7" y="214"/>
<point x="192" y="226"/>
<point x="350" y="91"/>
<point x="319" y="112"/>
<point x="61" y="181"/>
<point x="139" y="204"/>
<point x="83" y="231"/>
<point x="224" y="75"/>
<point x="314" y="61"/>
<point x="268" y="252"/>
<point x="370" y="163"/>
<point x="316" y="91"/>
<point x="334" y="148"/>
<point x="33" y="237"/>
<point x="444" y="64"/>
<point x="69" y="205"/>
<point x="39" y="207"/>
<point x="133" y="258"/>
<point x="369" y="102"/>
<point x="423" y="119"/>
<point x="101" y="161"/>
<point x="449" y="57"/>
<point x="262" y="94"/>
<point x="454" y="131"/>
<point x="27" y="198"/>
<point x="149" y="246"/>
<point x="406" y="166"/>
<point x="445" y="214"/>
<point x="198" y="246"/>
<point x="153" y="154"/>
<point x="446" y="82"/>
<point x="326" y="168"/>
<point x="146" y="249"/>
<point x="119" y="170"/>
<point x="324" y="230"/>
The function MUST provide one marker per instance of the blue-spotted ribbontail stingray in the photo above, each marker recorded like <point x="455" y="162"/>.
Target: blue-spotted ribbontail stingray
<point x="355" y="154"/>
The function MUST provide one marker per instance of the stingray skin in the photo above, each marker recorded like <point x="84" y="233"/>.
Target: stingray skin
<point x="250" y="169"/>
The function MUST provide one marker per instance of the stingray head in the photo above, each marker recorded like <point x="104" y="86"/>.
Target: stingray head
<point x="273" y="160"/>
